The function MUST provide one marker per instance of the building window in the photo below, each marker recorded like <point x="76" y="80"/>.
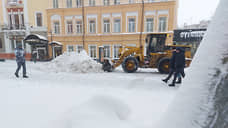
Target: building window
<point x="150" y="1"/>
<point x="78" y="3"/>
<point x="0" y="43"/>
<point x="70" y="48"/>
<point x="162" y="24"/>
<point x="106" y="26"/>
<point x="55" y="4"/>
<point x="93" y="51"/>
<point x="131" y="1"/>
<point x="149" y="25"/>
<point x="69" y="3"/>
<point x="79" y="48"/>
<point x="106" y="2"/>
<point x="92" y="3"/>
<point x="116" y="2"/>
<point x="56" y="27"/>
<point x="69" y="27"/>
<point x="79" y="27"/>
<point x="117" y="25"/>
<point x="131" y="45"/>
<point x="39" y="20"/>
<point x="131" y="25"/>
<point x="92" y="26"/>
<point x="107" y="50"/>
<point x="116" y="48"/>
<point x="16" y="17"/>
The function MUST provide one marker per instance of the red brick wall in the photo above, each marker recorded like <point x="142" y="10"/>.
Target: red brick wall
<point x="12" y="56"/>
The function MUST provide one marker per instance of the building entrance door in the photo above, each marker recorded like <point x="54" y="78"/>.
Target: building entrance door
<point x="41" y="53"/>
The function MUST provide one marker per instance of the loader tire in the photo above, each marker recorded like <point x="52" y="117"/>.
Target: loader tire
<point x="130" y="64"/>
<point x="163" y="66"/>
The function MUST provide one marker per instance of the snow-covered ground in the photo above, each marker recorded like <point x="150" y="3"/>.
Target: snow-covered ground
<point x="81" y="100"/>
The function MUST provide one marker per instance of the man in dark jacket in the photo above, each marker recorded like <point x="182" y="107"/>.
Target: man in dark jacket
<point x="20" y="59"/>
<point x="179" y="65"/>
<point x="171" y="65"/>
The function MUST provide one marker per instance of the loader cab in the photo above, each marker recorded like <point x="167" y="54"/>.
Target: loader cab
<point x="155" y="43"/>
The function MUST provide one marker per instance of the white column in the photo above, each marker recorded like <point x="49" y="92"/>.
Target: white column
<point x="53" y="51"/>
<point x="26" y="18"/>
<point x="19" y="15"/>
<point x="8" y="48"/>
<point x="15" y="44"/>
<point x="22" y="42"/>
<point x="4" y="12"/>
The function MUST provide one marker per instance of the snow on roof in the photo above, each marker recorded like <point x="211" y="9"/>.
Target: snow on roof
<point x="56" y="42"/>
<point x="41" y="37"/>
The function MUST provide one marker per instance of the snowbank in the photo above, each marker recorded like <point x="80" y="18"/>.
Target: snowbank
<point x="193" y="104"/>
<point x="97" y="112"/>
<point x="74" y="62"/>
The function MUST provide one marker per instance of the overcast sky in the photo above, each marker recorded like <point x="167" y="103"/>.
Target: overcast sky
<point x="192" y="11"/>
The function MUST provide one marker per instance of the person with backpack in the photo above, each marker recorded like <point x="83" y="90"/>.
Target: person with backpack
<point x="20" y="59"/>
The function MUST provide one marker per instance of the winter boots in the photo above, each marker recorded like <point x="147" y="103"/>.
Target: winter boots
<point x="25" y="76"/>
<point x="178" y="81"/>
<point x="16" y="75"/>
<point x="165" y="80"/>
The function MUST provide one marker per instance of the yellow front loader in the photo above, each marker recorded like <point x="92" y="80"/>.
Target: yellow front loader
<point x="157" y="55"/>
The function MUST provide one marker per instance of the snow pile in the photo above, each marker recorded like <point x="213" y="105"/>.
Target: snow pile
<point x="74" y="62"/>
<point x="97" y="112"/>
<point x="193" y="104"/>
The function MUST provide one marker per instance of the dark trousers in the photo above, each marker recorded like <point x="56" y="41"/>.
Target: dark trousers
<point x="171" y="71"/>
<point x="19" y="64"/>
<point x="178" y="73"/>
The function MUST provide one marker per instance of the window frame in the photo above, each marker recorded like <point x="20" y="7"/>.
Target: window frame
<point x="106" y="26"/>
<point x="114" y="25"/>
<point x="69" y="27"/>
<point x="161" y="24"/>
<point x="69" y="3"/>
<point x="78" y="26"/>
<point x="130" y="27"/>
<point x="36" y="20"/>
<point x="68" y="49"/>
<point x="89" y="48"/>
<point x="107" y="51"/>
<point x="77" y="48"/>
<point x="151" y="24"/>
<point x="93" y="25"/>
<point x="55" y="3"/>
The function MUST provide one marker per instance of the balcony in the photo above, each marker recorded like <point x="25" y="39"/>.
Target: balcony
<point x="14" y="3"/>
<point x="13" y="27"/>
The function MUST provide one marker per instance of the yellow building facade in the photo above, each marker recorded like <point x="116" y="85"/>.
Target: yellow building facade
<point x="108" y="23"/>
<point x="18" y="19"/>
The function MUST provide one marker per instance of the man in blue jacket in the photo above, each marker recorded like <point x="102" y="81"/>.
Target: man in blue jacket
<point x="20" y="59"/>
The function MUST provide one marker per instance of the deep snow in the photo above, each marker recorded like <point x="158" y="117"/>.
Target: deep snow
<point x="83" y="100"/>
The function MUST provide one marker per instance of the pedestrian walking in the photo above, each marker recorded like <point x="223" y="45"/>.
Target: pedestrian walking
<point x="20" y="59"/>
<point x="171" y="65"/>
<point x="179" y="65"/>
<point x="34" y="55"/>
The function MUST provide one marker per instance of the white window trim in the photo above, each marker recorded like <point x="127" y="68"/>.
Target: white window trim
<point x="166" y="29"/>
<point x="67" y="47"/>
<point x="109" y="49"/>
<point x="90" y="52"/>
<point x="130" y="14"/>
<point x="77" y="47"/>
<point x="113" y="51"/>
<point x="145" y="25"/>
<point x="92" y="27"/>
<point x="56" y="18"/>
<point x="110" y="31"/>
<point x="91" y="16"/>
